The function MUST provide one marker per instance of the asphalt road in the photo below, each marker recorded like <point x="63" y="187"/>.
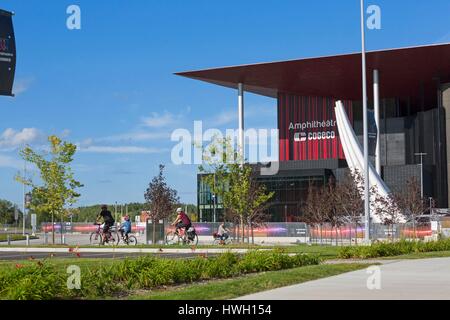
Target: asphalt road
<point x="424" y="279"/>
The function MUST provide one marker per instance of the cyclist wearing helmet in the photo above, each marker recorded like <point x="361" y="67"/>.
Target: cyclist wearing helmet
<point x="182" y="221"/>
<point x="125" y="228"/>
<point x="108" y="221"/>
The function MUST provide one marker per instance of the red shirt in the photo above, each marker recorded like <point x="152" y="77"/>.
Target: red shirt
<point x="184" y="218"/>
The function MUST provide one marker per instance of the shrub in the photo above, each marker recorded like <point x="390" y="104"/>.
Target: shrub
<point x="32" y="282"/>
<point x="43" y="281"/>
<point x="393" y="249"/>
<point x="222" y="266"/>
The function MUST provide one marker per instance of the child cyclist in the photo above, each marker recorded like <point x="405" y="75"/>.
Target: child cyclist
<point x="125" y="228"/>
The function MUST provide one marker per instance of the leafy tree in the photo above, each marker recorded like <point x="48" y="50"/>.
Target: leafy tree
<point x="58" y="188"/>
<point x="7" y="210"/>
<point x="235" y="183"/>
<point x="160" y="198"/>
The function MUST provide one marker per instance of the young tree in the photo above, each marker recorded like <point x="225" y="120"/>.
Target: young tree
<point x="386" y="208"/>
<point x="235" y="183"/>
<point x="349" y="198"/>
<point x="7" y="211"/>
<point x="160" y="198"/>
<point x="411" y="203"/>
<point x="332" y="210"/>
<point x="58" y="188"/>
<point x="315" y="208"/>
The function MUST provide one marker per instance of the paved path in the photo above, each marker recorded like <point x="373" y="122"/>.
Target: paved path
<point x="423" y="279"/>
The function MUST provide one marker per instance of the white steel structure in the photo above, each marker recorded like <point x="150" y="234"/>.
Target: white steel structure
<point x="354" y="155"/>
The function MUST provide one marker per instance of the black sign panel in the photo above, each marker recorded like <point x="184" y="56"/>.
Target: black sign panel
<point x="7" y="53"/>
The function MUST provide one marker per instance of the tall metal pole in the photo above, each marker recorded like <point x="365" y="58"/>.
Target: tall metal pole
<point x="214" y="201"/>
<point x="241" y="122"/>
<point x="366" y="130"/>
<point x="421" y="155"/>
<point x="23" y="197"/>
<point x="376" y="106"/>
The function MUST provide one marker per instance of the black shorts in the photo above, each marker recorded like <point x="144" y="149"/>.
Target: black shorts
<point x="182" y="225"/>
<point x="107" y="226"/>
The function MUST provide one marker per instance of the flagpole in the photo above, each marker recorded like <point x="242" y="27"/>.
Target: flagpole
<point x="366" y="134"/>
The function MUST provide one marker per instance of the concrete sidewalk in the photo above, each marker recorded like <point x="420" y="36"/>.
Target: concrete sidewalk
<point x="427" y="279"/>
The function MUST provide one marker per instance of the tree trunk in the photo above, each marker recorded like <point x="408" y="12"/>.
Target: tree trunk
<point x="154" y="231"/>
<point x="253" y="235"/>
<point x="61" y="229"/>
<point x="243" y="229"/>
<point x="53" y="228"/>
<point x="336" y="234"/>
<point x="356" y="234"/>
<point x="321" y="235"/>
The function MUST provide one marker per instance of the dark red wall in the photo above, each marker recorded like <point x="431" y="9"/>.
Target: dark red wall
<point x="312" y="112"/>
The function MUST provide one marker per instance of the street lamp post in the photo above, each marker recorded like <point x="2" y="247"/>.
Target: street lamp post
<point x="214" y="207"/>
<point x="366" y="128"/>
<point x="421" y="155"/>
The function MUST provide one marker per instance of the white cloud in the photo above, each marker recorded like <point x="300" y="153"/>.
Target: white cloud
<point x="9" y="162"/>
<point x="224" y="118"/>
<point x="11" y="138"/>
<point x="159" y="121"/>
<point x="22" y="85"/>
<point x="121" y="149"/>
<point x="136" y="136"/>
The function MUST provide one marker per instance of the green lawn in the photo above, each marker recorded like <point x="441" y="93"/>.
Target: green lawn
<point x="421" y="255"/>
<point x="237" y="287"/>
<point x="14" y="237"/>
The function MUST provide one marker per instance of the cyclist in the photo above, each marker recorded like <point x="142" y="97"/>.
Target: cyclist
<point x="182" y="221"/>
<point x="125" y="228"/>
<point x="108" y="221"/>
<point x="223" y="233"/>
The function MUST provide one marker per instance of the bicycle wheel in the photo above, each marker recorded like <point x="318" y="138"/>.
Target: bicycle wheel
<point x="192" y="242"/>
<point x="95" y="238"/>
<point x="216" y="242"/>
<point x="132" y="241"/>
<point x="172" y="238"/>
<point x="115" y="238"/>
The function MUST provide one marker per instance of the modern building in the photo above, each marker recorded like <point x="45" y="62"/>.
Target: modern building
<point x="413" y="109"/>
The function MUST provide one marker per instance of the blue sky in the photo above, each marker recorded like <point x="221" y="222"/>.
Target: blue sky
<point x="110" y="88"/>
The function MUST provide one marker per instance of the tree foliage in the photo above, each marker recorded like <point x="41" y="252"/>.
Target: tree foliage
<point x="161" y="198"/>
<point x="235" y="182"/>
<point x="7" y="210"/>
<point x="58" y="187"/>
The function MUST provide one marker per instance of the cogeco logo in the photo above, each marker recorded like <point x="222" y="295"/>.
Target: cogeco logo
<point x="312" y="136"/>
<point x="4" y="44"/>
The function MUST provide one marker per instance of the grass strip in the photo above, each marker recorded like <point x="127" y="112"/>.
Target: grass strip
<point x="244" y="285"/>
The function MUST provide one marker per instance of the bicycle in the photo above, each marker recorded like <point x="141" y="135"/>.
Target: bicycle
<point x="96" y="238"/>
<point x="129" y="240"/>
<point x="218" y="240"/>
<point x="175" y="238"/>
